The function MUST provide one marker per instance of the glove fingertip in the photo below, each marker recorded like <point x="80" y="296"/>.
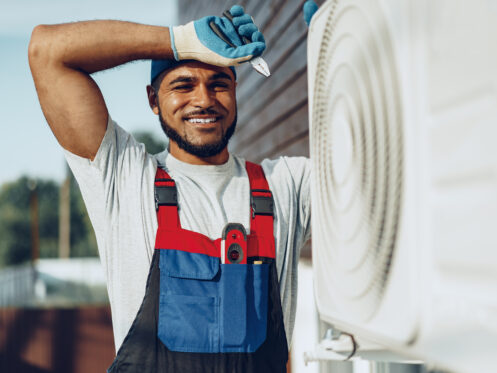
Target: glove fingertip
<point x="309" y="8"/>
<point x="258" y="37"/>
<point x="247" y="30"/>
<point x="253" y="49"/>
<point x="236" y="10"/>
<point x="242" y="20"/>
<point x="258" y="48"/>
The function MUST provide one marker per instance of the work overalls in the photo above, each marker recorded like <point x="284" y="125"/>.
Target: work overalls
<point x="209" y="306"/>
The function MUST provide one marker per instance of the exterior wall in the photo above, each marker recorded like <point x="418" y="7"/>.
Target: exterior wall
<point x="62" y="340"/>
<point x="272" y="112"/>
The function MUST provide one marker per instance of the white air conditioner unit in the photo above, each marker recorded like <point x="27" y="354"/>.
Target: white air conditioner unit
<point x="403" y="138"/>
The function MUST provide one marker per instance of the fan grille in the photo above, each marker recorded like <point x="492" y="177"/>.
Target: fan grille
<point x="356" y="147"/>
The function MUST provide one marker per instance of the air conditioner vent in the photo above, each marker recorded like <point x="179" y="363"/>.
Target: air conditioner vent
<point x="356" y="145"/>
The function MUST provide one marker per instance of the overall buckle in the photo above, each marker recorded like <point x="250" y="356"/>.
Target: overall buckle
<point x="261" y="205"/>
<point x="166" y="195"/>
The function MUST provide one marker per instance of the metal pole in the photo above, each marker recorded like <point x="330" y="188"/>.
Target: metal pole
<point x="65" y="219"/>
<point x="35" y="234"/>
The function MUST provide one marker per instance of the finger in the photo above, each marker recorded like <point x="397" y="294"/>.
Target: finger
<point x="310" y="7"/>
<point x="247" y="30"/>
<point x="237" y="11"/>
<point x="258" y="37"/>
<point x="242" y="20"/>
<point x="254" y="49"/>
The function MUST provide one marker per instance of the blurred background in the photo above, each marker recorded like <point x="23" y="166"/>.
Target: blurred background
<point x="54" y="313"/>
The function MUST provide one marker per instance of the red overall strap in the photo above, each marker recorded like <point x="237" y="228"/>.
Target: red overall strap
<point x="170" y="235"/>
<point x="261" y="238"/>
<point x="167" y="215"/>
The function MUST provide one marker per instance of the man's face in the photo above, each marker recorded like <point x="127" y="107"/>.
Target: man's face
<point x="197" y="107"/>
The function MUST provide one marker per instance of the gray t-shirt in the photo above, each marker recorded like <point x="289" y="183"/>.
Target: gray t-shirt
<point x="118" y="187"/>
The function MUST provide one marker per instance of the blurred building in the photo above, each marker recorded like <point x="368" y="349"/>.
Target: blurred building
<point x="54" y="317"/>
<point x="53" y="283"/>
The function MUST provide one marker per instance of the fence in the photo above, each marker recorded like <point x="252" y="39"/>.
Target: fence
<point x="17" y="285"/>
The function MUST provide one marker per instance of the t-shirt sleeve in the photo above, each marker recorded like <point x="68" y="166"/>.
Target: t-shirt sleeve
<point x="289" y="177"/>
<point x="110" y="174"/>
<point x="289" y="180"/>
<point x="300" y="171"/>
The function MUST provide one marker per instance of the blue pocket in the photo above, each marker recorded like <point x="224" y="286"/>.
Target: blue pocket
<point x="189" y="323"/>
<point x="188" y="301"/>
<point x="182" y="264"/>
<point x="244" y="297"/>
<point x="211" y="308"/>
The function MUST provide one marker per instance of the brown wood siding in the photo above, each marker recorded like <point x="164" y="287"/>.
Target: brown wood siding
<point x="63" y="340"/>
<point x="272" y="112"/>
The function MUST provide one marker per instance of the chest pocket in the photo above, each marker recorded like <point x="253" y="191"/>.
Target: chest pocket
<point x="208" y="307"/>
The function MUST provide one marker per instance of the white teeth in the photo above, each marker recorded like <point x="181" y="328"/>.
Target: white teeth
<point x="201" y="120"/>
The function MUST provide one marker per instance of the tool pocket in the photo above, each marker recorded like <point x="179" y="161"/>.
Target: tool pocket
<point x="188" y="301"/>
<point x="211" y="308"/>
<point x="243" y="306"/>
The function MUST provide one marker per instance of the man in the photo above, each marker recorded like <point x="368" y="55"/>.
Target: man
<point x="200" y="264"/>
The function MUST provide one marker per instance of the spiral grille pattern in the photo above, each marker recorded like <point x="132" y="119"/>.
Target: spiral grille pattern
<point x="357" y="147"/>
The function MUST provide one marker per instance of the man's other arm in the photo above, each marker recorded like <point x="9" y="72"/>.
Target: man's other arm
<point x="62" y="57"/>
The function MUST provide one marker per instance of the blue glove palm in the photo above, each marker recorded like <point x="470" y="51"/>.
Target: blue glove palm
<point x="196" y="40"/>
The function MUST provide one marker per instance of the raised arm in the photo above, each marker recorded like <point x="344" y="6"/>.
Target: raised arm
<point x="62" y="57"/>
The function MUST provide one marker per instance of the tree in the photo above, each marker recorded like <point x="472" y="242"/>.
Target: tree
<point x="152" y="144"/>
<point x="15" y="226"/>
<point x="83" y="241"/>
<point x="15" y="221"/>
<point x="15" y="217"/>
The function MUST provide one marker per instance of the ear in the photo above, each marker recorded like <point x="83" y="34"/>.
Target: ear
<point x="153" y="99"/>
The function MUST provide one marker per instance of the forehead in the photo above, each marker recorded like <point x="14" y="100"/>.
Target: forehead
<point x="195" y="69"/>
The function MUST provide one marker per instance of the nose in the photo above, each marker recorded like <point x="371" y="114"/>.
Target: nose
<point x="203" y="97"/>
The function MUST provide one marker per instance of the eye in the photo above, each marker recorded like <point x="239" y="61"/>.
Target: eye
<point x="183" y="87"/>
<point x="220" y="86"/>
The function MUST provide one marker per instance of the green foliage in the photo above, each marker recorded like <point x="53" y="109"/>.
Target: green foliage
<point x="48" y="217"/>
<point x="15" y="215"/>
<point x="15" y="235"/>
<point x="83" y="241"/>
<point x="15" y="221"/>
<point x="152" y="144"/>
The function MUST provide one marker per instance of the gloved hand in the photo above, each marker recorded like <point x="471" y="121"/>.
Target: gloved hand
<point x="309" y="8"/>
<point x="197" y="41"/>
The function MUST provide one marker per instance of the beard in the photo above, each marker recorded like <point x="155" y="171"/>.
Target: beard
<point x="201" y="151"/>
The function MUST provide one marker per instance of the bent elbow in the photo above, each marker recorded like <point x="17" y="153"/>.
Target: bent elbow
<point x="37" y="49"/>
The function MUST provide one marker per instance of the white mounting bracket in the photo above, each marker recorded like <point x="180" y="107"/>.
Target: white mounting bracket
<point x="337" y="346"/>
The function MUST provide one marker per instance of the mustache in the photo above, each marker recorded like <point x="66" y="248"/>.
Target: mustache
<point x="202" y="112"/>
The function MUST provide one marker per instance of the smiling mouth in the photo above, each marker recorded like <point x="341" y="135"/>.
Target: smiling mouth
<point x="203" y="120"/>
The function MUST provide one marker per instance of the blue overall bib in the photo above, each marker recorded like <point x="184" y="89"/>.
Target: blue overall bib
<point x="210" y="306"/>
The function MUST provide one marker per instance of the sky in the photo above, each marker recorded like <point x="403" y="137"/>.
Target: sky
<point x="27" y="146"/>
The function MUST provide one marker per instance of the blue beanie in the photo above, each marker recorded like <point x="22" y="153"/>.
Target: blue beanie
<point x="158" y="66"/>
